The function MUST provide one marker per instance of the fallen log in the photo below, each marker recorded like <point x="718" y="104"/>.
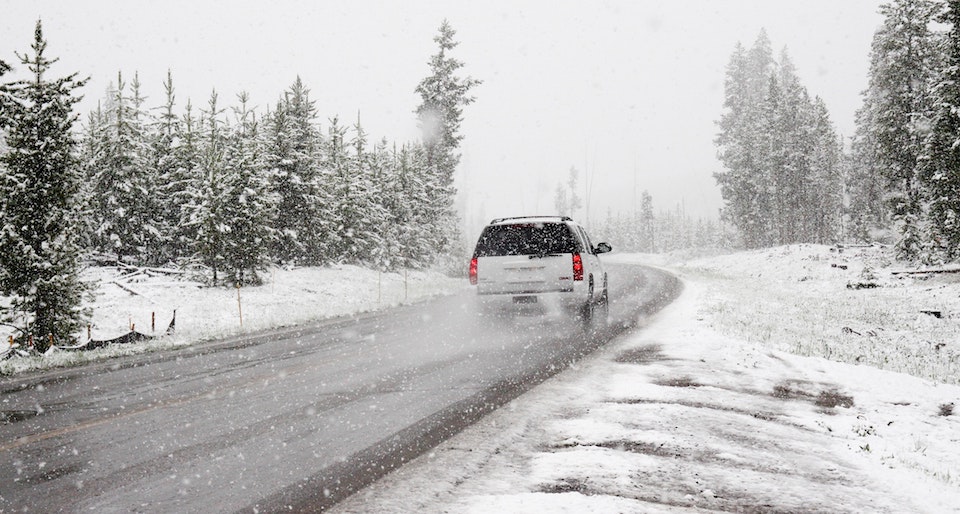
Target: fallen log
<point x="926" y="271"/>
<point x="130" y="337"/>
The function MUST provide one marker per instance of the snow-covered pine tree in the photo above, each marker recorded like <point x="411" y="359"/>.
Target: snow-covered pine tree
<point x="646" y="224"/>
<point x="186" y="181"/>
<point x="382" y="178"/>
<point x="414" y="213"/>
<point x="397" y="202"/>
<point x="124" y="213"/>
<point x="153" y="233"/>
<point x="742" y="182"/>
<point x="897" y="107"/>
<point x="443" y="95"/>
<point x="794" y="189"/>
<point x="824" y="199"/>
<point x="940" y="172"/>
<point x="771" y="173"/>
<point x="779" y="152"/>
<point x="292" y="156"/>
<point x="205" y="207"/>
<point x="864" y="186"/>
<point x="355" y="195"/>
<point x="248" y="207"/>
<point x="337" y="165"/>
<point x="39" y="188"/>
<point x="172" y="176"/>
<point x="90" y="148"/>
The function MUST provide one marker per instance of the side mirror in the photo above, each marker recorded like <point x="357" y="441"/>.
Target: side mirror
<point x="602" y="248"/>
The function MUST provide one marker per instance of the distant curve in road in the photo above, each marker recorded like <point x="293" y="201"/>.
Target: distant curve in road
<point x="289" y="419"/>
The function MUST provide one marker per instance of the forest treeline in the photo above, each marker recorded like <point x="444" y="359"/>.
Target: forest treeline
<point x="217" y="188"/>
<point x="234" y="191"/>
<point x="786" y="177"/>
<point x="781" y="181"/>
<point x="904" y="165"/>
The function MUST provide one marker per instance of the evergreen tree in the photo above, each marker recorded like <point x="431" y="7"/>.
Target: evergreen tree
<point x="39" y="188"/>
<point x="940" y="172"/>
<point x="865" y="187"/>
<point x="171" y="175"/>
<point x="346" y="213"/>
<point x="566" y="200"/>
<point x="153" y="231"/>
<point x="124" y="213"/>
<point x="897" y="110"/>
<point x="206" y="206"/>
<point x="646" y="224"/>
<point x="414" y="212"/>
<point x="356" y="196"/>
<point x="185" y="182"/>
<point x="771" y="173"/>
<point x="292" y="155"/>
<point x="781" y="157"/>
<point x="443" y="95"/>
<point x="794" y="188"/>
<point x="89" y="156"/>
<point x="743" y="182"/>
<point x="248" y="207"/>
<point x="824" y="199"/>
<point x="382" y="183"/>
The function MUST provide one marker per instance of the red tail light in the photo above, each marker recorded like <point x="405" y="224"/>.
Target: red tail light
<point x="473" y="271"/>
<point x="577" y="267"/>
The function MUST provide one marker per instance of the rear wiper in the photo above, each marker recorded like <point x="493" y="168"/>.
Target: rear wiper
<point x="542" y="255"/>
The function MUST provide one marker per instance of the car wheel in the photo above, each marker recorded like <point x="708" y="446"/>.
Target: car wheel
<point x="595" y="313"/>
<point x="601" y="313"/>
<point x="586" y="310"/>
<point x="587" y="313"/>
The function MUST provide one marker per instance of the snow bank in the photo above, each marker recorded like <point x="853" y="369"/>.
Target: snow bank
<point x="849" y="305"/>
<point x="147" y="301"/>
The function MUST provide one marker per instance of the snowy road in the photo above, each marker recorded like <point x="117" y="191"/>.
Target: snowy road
<point x="296" y="418"/>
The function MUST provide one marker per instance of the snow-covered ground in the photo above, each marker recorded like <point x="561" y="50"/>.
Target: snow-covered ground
<point x="147" y="300"/>
<point x="781" y="380"/>
<point x="732" y="399"/>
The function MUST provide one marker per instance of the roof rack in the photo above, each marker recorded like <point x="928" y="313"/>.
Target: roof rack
<point x="499" y="220"/>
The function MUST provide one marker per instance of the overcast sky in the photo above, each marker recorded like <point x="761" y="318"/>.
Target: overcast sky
<point x="627" y="92"/>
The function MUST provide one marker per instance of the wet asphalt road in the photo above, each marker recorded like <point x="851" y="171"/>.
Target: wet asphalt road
<point x="294" y="419"/>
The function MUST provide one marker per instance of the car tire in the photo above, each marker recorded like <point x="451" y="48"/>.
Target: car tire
<point x="586" y="310"/>
<point x="587" y="313"/>
<point x="601" y="313"/>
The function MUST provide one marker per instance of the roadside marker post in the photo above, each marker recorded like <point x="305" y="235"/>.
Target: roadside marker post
<point x="239" y="305"/>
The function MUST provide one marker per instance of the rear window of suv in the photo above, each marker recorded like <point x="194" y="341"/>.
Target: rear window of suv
<point x="525" y="239"/>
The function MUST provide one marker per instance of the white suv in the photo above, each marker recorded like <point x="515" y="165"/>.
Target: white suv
<point x="540" y="260"/>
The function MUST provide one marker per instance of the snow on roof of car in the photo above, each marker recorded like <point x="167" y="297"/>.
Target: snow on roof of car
<point x="530" y="219"/>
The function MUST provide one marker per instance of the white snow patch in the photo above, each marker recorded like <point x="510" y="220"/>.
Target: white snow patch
<point x="147" y="302"/>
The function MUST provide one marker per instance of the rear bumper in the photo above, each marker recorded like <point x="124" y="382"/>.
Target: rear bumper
<point x="522" y="291"/>
<point x="562" y="286"/>
<point x="533" y="302"/>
